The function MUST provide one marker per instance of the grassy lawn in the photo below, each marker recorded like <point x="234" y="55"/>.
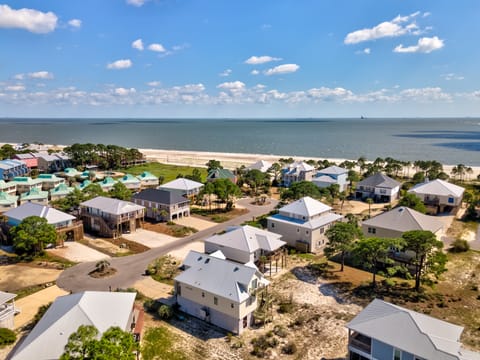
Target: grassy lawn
<point x="159" y="344"/>
<point x="164" y="269"/>
<point x="218" y="215"/>
<point x="168" y="172"/>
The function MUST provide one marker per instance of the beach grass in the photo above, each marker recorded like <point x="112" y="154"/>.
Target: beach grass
<point x="167" y="171"/>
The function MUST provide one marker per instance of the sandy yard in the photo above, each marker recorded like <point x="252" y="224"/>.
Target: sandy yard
<point x="182" y="252"/>
<point x="149" y="238"/>
<point x="195" y="222"/>
<point x="154" y="289"/>
<point x="14" y="277"/>
<point x="29" y="305"/>
<point x="77" y="252"/>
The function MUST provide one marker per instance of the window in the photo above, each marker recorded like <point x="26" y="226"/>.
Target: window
<point x="203" y="294"/>
<point x="179" y="290"/>
<point x="322" y="230"/>
<point x="215" y="300"/>
<point x="273" y="225"/>
<point x="397" y="354"/>
<point x="298" y="230"/>
<point x="451" y="200"/>
<point x="254" y="283"/>
<point x="232" y="305"/>
<point x="372" y="230"/>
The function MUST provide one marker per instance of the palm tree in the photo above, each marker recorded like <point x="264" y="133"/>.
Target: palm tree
<point x="369" y="202"/>
<point x="102" y="266"/>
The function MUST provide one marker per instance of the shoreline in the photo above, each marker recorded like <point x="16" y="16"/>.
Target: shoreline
<point x="233" y="160"/>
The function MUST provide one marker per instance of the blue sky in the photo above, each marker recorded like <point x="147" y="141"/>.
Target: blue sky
<point x="217" y="58"/>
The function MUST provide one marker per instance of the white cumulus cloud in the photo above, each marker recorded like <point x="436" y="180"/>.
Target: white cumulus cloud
<point x="156" y="47"/>
<point x="425" y="45"/>
<point x="45" y="75"/>
<point x="120" y="64"/>
<point x="393" y="28"/>
<point x="138" y="44"/>
<point x="233" y="85"/>
<point x="226" y="72"/>
<point x="452" y="76"/>
<point x="255" y="60"/>
<point x="27" y="19"/>
<point x="282" y="69"/>
<point x="154" y="83"/>
<point x="255" y="72"/>
<point x="17" y="87"/>
<point x="136" y="3"/>
<point x="124" y="92"/>
<point x="75" y="23"/>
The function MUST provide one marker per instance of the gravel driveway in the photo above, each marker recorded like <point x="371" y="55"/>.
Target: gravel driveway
<point x="77" y="252"/>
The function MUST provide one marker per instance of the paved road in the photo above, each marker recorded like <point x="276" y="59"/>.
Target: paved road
<point x="132" y="268"/>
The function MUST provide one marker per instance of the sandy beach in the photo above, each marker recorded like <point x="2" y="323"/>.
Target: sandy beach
<point x="234" y="160"/>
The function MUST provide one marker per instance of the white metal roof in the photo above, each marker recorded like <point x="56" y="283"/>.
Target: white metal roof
<point x="405" y="219"/>
<point x="305" y="206"/>
<point x="261" y="165"/>
<point x="5" y="297"/>
<point x="217" y="276"/>
<point x="182" y="184"/>
<point x="249" y="239"/>
<point x="112" y="206"/>
<point x="438" y="187"/>
<point x="25" y="210"/>
<point x="324" y="179"/>
<point x="333" y="170"/>
<point x="100" y="309"/>
<point x="410" y="331"/>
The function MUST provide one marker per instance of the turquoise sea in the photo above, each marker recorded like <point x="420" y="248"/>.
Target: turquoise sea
<point x="448" y="140"/>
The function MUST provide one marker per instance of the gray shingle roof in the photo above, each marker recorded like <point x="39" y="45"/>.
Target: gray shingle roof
<point x="248" y="238"/>
<point x="160" y="196"/>
<point x="100" y="309"/>
<point x="379" y="180"/>
<point x="52" y="215"/>
<point x="112" y="206"/>
<point x="438" y="187"/>
<point x="410" y="331"/>
<point x="217" y="276"/>
<point x="405" y="219"/>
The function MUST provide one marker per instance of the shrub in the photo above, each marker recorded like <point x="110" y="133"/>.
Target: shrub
<point x="289" y="348"/>
<point x="7" y="336"/>
<point x="459" y="245"/>
<point x="165" y="312"/>
<point x="280" y="331"/>
<point x="285" y="308"/>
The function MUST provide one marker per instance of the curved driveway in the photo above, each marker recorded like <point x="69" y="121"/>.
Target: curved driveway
<point x="131" y="268"/>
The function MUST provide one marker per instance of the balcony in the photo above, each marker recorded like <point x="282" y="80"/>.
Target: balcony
<point x="361" y="342"/>
<point x="7" y="310"/>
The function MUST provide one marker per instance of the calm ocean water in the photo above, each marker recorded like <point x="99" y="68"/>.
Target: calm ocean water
<point x="450" y="141"/>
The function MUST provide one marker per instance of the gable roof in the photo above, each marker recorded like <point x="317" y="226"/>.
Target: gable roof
<point x="6" y="296"/>
<point x="61" y="189"/>
<point x="297" y="167"/>
<point x="379" y="180"/>
<point x="99" y="309"/>
<point x="324" y="179"/>
<point x="249" y="239"/>
<point x="220" y="277"/>
<point x="84" y="184"/>
<point x="410" y="331"/>
<point x="220" y="174"/>
<point x="261" y="165"/>
<point x="306" y="206"/>
<point x="438" y="187"/>
<point x="25" y="210"/>
<point x="182" y="184"/>
<point x="333" y="170"/>
<point x="112" y="206"/>
<point x="405" y="219"/>
<point x="160" y="196"/>
<point x="34" y="193"/>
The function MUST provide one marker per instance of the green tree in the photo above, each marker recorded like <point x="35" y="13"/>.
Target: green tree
<point x="369" y="202"/>
<point x="372" y="253"/>
<point x="428" y="257"/>
<point x="7" y="151"/>
<point x="255" y="179"/>
<point x="32" y="234"/>
<point x="94" y="190"/>
<point x="275" y="170"/>
<point x="226" y="191"/>
<point x="71" y="201"/>
<point x="413" y="202"/>
<point x="120" y="191"/>
<point x="196" y="175"/>
<point x="81" y="344"/>
<point x="341" y="237"/>
<point x="115" y="344"/>
<point x="213" y="165"/>
<point x="301" y="189"/>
